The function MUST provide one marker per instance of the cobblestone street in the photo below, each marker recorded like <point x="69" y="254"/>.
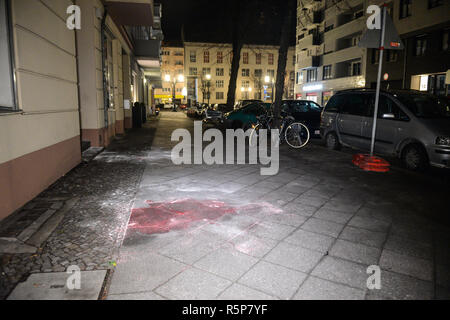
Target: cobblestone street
<point x="309" y="232"/>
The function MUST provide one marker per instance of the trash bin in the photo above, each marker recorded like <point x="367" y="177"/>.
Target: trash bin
<point x="144" y="112"/>
<point x="137" y="116"/>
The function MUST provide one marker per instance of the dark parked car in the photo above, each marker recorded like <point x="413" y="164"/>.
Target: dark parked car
<point x="246" y="116"/>
<point x="306" y="112"/>
<point x="224" y="108"/>
<point x="243" y="103"/>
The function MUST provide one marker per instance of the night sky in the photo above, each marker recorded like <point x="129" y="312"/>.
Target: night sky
<point x="211" y="21"/>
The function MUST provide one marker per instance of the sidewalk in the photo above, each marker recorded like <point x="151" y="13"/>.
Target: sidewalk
<point x="226" y="232"/>
<point x="308" y="233"/>
<point x="90" y="233"/>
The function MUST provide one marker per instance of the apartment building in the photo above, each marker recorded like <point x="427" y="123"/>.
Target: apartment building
<point x="62" y="88"/>
<point x="208" y="68"/>
<point x="328" y="58"/>
<point x="172" y="72"/>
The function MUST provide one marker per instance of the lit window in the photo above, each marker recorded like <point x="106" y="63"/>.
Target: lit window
<point x="327" y="72"/>
<point x="193" y="56"/>
<point x="245" y="58"/>
<point x="219" y="72"/>
<point x="219" y="95"/>
<point x="271" y="58"/>
<point x="258" y="58"/>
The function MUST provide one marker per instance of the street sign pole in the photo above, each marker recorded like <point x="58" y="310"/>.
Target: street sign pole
<point x="380" y="70"/>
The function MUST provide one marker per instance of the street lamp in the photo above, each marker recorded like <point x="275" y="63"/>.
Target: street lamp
<point x="270" y="80"/>
<point x="179" y="79"/>
<point x="208" y="87"/>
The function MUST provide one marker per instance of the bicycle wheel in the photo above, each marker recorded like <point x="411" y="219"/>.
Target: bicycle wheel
<point x="297" y="135"/>
<point x="254" y="136"/>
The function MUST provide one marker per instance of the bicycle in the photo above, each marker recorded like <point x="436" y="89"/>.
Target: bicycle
<point x="295" y="134"/>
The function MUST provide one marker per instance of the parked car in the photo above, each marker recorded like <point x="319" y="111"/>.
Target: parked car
<point x="246" y="116"/>
<point x="169" y="106"/>
<point x="212" y="116"/>
<point x="411" y="125"/>
<point x="306" y="112"/>
<point x="243" y="103"/>
<point x="224" y="108"/>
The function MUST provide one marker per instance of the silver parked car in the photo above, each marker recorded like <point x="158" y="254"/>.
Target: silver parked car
<point x="411" y="125"/>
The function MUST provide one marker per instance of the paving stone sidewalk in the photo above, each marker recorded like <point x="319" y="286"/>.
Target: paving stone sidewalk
<point x="91" y="231"/>
<point x="310" y="232"/>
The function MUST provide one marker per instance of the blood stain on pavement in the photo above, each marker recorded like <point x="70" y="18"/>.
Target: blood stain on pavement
<point x="162" y="217"/>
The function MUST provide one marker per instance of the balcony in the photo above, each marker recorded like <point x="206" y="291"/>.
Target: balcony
<point x="350" y="53"/>
<point x="347" y="29"/>
<point x="344" y="83"/>
<point x="157" y="16"/>
<point x="308" y="62"/>
<point x="131" y="12"/>
<point x="308" y="41"/>
<point x="147" y="48"/>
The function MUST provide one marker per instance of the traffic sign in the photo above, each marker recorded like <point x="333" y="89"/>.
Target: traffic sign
<point x="372" y="37"/>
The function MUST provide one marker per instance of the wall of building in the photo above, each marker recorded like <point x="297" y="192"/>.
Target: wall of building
<point x="173" y="65"/>
<point x="40" y="143"/>
<point x="218" y="91"/>
<point x="334" y="48"/>
<point x="98" y="126"/>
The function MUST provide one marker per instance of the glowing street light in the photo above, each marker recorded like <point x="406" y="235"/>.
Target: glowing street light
<point x="179" y="79"/>
<point x="208" y="87"/>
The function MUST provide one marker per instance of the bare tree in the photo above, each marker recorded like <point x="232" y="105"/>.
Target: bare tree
<point x="243" y="17"/>
<point x="206" y="88"/>
<point x="258" y="84"/>
<point x="286" y="32"/>
<point x="236" y="55"/>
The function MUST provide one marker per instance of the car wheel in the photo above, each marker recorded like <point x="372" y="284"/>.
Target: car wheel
<point x="332" y="141"/>
<point x="415" y="158"/>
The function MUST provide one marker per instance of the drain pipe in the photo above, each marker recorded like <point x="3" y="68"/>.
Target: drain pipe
<point x="105" y="91"/>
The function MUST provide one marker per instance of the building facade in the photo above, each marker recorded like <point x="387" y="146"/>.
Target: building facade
<point x="172" y="72"/>
<point x="208" y="68"/>
<point x="61" y="89"/>
<point x="328" y="58"/>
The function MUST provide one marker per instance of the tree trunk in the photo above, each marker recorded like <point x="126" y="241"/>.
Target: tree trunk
<point x="282" y="58"/>
<point x="237" y="47"/>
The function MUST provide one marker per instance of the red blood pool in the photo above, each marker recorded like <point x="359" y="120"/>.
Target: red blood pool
<point x="162" y="217"/>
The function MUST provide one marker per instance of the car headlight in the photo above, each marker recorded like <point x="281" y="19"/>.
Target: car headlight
<point x="443" y="141"/>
